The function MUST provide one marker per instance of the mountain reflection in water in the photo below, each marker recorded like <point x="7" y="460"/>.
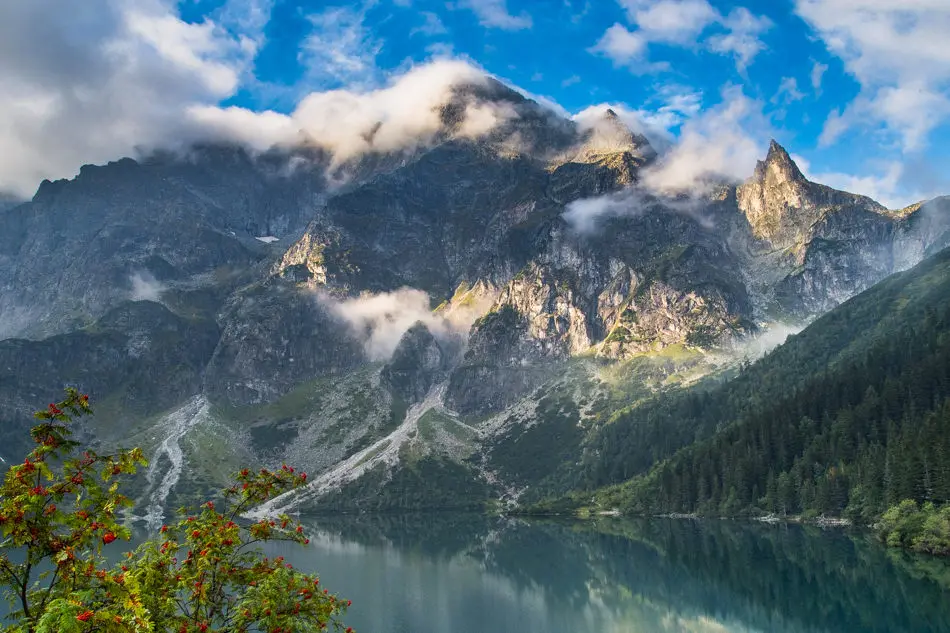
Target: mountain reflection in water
<point x="471" y="574"/>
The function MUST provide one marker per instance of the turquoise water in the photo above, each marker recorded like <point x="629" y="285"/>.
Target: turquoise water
<point x="460" y="574"/>
<point x="471" y="574"/>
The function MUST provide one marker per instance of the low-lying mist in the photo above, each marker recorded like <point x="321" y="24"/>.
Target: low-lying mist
<point x="145" y="287"/>
<point x="379" y="321"/>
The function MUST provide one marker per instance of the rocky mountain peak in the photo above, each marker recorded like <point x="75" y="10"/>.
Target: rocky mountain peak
<point x="608" y="134"/>
<point x="778" y="167"/>
<point x="778" y="200"/>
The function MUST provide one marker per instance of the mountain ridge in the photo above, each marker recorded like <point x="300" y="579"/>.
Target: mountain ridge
<point x="313" y="275"/>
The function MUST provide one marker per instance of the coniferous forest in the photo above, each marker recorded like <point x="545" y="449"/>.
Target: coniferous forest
<point x="849" y="418"/>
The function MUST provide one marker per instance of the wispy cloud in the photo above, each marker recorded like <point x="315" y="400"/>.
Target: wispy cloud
<point x="788" y="92"/>
<point x="432" y="25"/>
<point x="897" y="50"/>
<point x="658" y="123"/>
<point x="743" y="37"/>
<point x="671" y="21"/>
<point x="340" y="49"/>
<point x="495" y="14"/>
<point x="723" y="142"/>
<point x="622" y="46"/>
<point x="570" y="81"/>
<point x="403" y="114"/>
<point x="681" y="23"/>
<point x="719" y="144"/>
<point x="888" y="186"/>
<point x="818" y="71"/>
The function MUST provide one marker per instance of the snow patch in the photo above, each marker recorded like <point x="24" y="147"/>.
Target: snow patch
<point x="267" y="239"/>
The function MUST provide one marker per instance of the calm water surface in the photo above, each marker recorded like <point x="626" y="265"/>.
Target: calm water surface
<point x="463" y="574"/>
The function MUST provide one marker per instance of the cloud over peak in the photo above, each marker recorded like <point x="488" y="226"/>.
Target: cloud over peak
<point x="136" y="77"/>
<point x="94" y="80"/>
<point x="348" y="123"/>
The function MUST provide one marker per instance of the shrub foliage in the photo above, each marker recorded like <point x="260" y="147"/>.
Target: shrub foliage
<point x="62" y="508"/>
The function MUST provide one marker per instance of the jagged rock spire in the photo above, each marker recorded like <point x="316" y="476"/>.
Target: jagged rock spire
<point x="778" y="167"/>
<point x="777" y="200"/>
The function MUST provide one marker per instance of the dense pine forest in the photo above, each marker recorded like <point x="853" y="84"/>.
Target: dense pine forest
<point x="850" y="417"/>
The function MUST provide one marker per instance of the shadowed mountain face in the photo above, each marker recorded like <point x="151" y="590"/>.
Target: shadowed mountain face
<point x="295" y="274"/>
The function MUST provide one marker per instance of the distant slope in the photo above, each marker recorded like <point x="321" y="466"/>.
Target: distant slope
<point x="849" y="416"/>
<point x="118" y="361"/>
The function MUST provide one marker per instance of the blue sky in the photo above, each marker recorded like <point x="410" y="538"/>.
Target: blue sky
<point x="859" y="91"/>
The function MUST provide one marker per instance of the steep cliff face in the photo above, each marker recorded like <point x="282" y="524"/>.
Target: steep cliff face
<point x="813" y="246"/>
<point x="419" y="363"/>
<point x="275" y="337"/>
<point x="501" y="364"/>
<point x="923" y="229"/>
<point x="77" y="248"/>
<point x="782" y="207"/>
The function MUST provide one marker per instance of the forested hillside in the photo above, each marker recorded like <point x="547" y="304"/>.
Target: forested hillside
<point x="847" y="418"/>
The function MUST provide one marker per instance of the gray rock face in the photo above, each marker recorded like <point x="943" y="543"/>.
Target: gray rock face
<point x="273" y="338"/>
<point x="813" y="246"/>
<point x="501" y="364"/>
<point x="71" y="253"/>
<point x="418" y="364"/>
<point x="139" y="359"/>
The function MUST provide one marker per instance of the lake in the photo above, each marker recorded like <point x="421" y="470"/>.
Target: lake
<point x="471" y="574"/>
<point x="448" y="573"/>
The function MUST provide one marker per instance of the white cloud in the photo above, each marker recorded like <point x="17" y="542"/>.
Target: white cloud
<point x="742" y="40"/>
<point x="723" y="142"/>
<point x="886" y="187"/>
<point x="587" y="216"/>
<point x="658" y="125"/>
<point x="750" y="348"/>
<point x="817" y="74"/>
<point x="671" y="21"/>
<point x="91" y="81"/>
<point x="681" y="23"/>
<point x="621" y="45"/>
<point x="788" y="92"/>
<point x="350" y="123"/>
<point x="910" y="110"/>
<point x="897" y="51"/>
<point x="432" y="25"/>
<point x="495" y="14"/>
<point x="380" y="320"/>
<point x="894" y="184"/>
<point x="720" y="144"/>
<point x="258" y="130"/>
<point x="145" y="287"/>
<point x="340" y="49"/>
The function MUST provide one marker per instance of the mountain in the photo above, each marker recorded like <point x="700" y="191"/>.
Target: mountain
<point x="433" y="313"/>
<point x="848" y="417"/>
<point x="824" y="244"/>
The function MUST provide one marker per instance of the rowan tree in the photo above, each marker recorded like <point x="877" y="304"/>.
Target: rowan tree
<point x="62" y="507"/>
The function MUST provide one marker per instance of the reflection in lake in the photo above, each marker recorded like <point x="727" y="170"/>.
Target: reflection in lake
<point x="465" y="574"/>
